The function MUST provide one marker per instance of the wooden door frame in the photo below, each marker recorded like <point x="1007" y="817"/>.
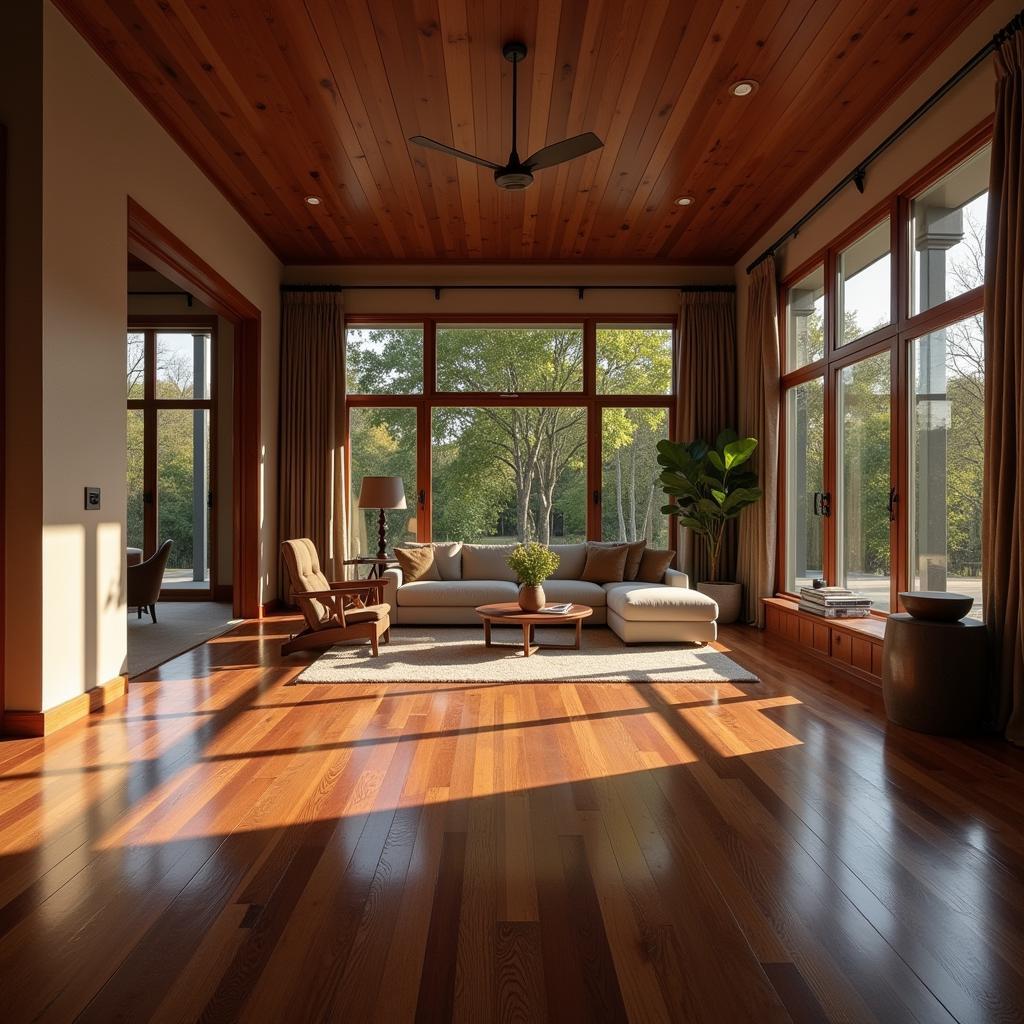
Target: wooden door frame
<point x="151" y="242"/>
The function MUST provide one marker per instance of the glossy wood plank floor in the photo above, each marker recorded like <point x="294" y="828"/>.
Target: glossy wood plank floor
<point x="227" y="844"/>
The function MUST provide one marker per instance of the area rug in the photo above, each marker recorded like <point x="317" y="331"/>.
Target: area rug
<point x="422" y="654"/>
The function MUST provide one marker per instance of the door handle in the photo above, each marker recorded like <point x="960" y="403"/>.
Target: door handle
<point x="893" y="498"/>
<point x="822" y="503"/>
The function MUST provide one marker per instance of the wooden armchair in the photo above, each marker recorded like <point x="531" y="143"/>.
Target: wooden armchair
<point x="334" y="612"/>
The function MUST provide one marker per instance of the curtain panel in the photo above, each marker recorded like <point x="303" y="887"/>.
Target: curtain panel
<point x="311" y="473"/>
<point x="1003" y="500"/>
<point x="759" y="417"/>
<point x="705" y="399"/>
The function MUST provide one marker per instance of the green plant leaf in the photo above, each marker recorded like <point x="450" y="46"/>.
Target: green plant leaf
<point x="716" y="460"/>
<point x="725" y="437"/>
<point x="737" y="452"/>
<point x="720" y="496"/>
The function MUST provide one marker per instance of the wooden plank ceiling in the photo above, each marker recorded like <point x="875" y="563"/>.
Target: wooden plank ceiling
<point x="279" y="99"/>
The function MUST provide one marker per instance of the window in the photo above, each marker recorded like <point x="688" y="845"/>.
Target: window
<point x="170" y="448"/>
<point x="865" y="290"/>
<point x="382" y="442"/>
<point x="805" y="320"/>
<point x="863" y="495"/>
<point x="509" y="360"/>
<point x="509" y="474"/>
<point x="946" y="427"/>
<point x="883" y="412"/>
<point x="384" y="359"/>
<point x="631" y="509"/>
<point x="806" y="504"/>
<point x="634" y="359"/>
<point x="948" y="235"/>
<point x="510" y="430"/>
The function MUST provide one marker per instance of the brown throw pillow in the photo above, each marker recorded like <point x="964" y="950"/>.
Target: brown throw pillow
<point x="634" y="554"/>
<point x="417" y="564"/>
<point x="653" y="565"/>
<point x="605" y="565"/>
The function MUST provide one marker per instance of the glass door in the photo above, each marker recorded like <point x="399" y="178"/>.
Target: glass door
<point x="807" y="503"/>
<point x="865" y="501"/>
<point x="171" y="453"/>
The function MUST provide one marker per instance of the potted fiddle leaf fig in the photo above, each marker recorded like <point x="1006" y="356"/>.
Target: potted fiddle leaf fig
<point x="711" y="485"/>
<point x="532" y="563"/>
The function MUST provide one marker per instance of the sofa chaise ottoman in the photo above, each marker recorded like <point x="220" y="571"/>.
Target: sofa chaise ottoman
<point x="476" y="574"/>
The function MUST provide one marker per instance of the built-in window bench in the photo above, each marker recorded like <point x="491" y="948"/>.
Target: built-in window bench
<point x="856" y="643"/>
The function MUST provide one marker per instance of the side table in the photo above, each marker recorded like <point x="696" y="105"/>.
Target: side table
<point x="935" y="675"/>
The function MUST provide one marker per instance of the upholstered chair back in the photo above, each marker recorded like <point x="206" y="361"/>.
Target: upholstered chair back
<point x="305" y="575"/>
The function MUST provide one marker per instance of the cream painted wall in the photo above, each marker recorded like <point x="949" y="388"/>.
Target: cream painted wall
<point x="420" y="301"/>
<point x="175" y="304"/>
<point x="98" y="147"/>
<point x="963" y="109"/>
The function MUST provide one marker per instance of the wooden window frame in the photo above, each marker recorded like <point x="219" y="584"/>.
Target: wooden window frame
<point x="150" y="405"/>
<point x="895" y="337"/>
<point x="431" y="398"/>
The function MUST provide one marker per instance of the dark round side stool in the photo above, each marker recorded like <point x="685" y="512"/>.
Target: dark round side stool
<point x="935" y="674"/>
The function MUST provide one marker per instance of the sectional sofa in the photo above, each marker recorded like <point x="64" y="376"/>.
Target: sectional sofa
<point x="476" y="574"/>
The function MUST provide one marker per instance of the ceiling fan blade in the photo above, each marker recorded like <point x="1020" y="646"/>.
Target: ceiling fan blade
<point x="422" y="140"/>
<point x="567" y="149"/>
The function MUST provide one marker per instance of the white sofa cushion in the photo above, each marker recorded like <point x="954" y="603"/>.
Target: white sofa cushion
<point x="577" y="591"/>
<point x="487" y="562"/>
<point x="447" y="558"/>
<point x="455" y="593"/>
<point x="572" y="558"/>
<point x="654" y="602"/>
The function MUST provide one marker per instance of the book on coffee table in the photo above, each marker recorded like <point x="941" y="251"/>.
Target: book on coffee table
<point x="556" y="609"/>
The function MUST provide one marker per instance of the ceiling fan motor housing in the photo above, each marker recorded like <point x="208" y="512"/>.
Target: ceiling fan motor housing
<point x="513" y="180"/>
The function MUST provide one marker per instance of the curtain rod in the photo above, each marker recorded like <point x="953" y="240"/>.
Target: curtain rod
<point x="580" y="289"/>
<point x="857" y="175"/>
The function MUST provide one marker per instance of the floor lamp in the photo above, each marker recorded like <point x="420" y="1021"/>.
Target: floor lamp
<point x="382" y="492"/>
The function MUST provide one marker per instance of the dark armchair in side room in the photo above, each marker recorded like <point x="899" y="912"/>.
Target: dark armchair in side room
<point x="145" y="580"/>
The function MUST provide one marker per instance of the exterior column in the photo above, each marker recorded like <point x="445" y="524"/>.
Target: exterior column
<point x="938" y="229"/>
<point x="200" y="447"/>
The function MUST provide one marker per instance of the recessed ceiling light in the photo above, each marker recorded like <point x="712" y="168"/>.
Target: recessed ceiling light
<point x="684" y="201"/>
<point x="743" y="88"/>
<point x="313" y="200"/>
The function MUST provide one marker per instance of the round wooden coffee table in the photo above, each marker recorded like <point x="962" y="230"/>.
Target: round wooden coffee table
<point x="509" y="613"/>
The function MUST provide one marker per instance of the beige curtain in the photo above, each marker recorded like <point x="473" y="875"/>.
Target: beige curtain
<point x="311" y="482"/>
<point x="1003" y="529"/>
<point x="759" y="417"/>
<point x="706" y="397"/>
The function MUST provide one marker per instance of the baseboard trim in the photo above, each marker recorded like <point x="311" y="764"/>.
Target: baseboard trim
<point x="271" y="607"/>
<point x="43" y="723"/>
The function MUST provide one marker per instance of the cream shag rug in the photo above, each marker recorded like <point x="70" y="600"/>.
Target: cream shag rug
<point x="423" y="654"/>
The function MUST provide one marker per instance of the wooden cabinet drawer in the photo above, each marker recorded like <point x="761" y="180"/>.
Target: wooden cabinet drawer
<point x="876" y="659"/>
<point x="860" y="651"/>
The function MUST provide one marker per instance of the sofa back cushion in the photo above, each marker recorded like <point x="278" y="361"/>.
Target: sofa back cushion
<point x="447" y="557"/>
<point x="605" y="564"/>
<point x="572" y="558"/>
<point x="487" y="562"/>
<point x="634" y="552"/>
<point x="417" y="563"/>
<point x="653" y="565"/>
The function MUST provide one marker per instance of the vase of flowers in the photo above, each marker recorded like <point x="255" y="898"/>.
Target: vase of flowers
<point x="532" y="563"/>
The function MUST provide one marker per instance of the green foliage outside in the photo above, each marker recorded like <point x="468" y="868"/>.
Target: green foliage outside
<point x="533" y="563"/>
<point x="514" y="473"/>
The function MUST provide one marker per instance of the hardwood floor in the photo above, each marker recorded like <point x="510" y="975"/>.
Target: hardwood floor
<point x="227" y="845"/>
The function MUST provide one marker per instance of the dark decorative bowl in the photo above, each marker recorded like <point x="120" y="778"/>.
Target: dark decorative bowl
<point x="936" y="605"/>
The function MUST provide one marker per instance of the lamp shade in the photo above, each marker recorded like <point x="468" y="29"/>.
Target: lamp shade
<point x="382" y="492"/>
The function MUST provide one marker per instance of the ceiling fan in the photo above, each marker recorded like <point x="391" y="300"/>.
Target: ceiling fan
<point x="518" y="174"/>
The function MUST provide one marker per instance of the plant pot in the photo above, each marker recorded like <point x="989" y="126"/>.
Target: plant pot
<point x="531" y="599"/>
<point x="728" y="597"/>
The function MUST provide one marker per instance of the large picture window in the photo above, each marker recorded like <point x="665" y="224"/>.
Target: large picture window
<point x="510" y="430"/>
<point x="883" y="395"/>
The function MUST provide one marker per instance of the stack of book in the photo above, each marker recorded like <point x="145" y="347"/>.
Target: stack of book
<point x="834" y="603"/>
